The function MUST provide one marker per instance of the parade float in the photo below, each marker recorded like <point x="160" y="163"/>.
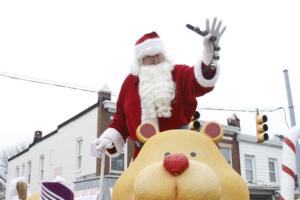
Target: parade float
<point x="180" y="165"/>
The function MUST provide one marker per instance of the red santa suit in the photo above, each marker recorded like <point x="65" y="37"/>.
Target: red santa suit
<point x="190" y="82"/>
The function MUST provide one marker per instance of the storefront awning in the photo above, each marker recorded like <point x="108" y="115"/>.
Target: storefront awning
<point x="88" y="189"/>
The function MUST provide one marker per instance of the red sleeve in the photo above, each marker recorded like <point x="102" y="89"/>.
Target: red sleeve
<point x="189" y="83"/>
<point x="119" y="120"/>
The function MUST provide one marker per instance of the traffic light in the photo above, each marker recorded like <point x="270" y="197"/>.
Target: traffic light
<point x="261" y="128"/>
<point x="195" y="124"/>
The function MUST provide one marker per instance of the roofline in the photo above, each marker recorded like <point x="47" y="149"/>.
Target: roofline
<point x="13" y="157"/>
<point x="43" y="138"/>
<point x="252" y="139"/>
<point x="78" y="115"/>
<point x="56" y="131"/>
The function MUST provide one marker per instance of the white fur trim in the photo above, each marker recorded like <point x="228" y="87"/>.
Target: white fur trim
<point x="200" y="78"/>
<point x="150" y="47"/>
<point x="134" y="68"/>
<point x="116" y="138"/>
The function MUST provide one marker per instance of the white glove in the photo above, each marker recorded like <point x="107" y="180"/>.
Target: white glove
<point x="211" y="41"/>
<point x="99" y="146"/>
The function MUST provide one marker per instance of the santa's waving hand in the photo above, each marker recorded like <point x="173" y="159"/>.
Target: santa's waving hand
<point x="211" y="41"/>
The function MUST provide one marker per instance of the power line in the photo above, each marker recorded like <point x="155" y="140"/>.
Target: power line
<point x="244" y="110"/>
<point x="47" y="82"/>
<point x="250" y="110"/>
<point x="226" y="109"/>
<point x="85" y="89"/>
<point x="285" y="119"/>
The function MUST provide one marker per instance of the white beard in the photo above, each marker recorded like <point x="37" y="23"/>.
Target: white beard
<point x="157" y="90"/>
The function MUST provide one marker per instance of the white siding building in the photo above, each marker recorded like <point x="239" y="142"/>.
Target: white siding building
<point x="260" y="166"/>
<point x="64" y="152"/>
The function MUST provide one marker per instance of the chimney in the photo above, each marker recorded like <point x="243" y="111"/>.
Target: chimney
<point x="103" y="119"/>
<point x="38" y="135"/>
<point x="103" y="116"/>
<point x="104" y="94"/>
<point x="233" y="120"/>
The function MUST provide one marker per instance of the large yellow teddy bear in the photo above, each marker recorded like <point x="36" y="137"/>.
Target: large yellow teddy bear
<point x="180" y="165"/>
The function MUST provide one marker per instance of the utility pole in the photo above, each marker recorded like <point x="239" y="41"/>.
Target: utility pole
<point x="289" y="96"/>
<point x="292" y="117"/>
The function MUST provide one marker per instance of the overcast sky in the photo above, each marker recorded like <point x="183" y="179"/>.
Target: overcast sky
<point x="90" y="43"/>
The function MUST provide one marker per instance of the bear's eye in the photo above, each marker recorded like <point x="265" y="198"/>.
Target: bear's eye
<point x="167" y="153"/>
<point x="193" y="154"/>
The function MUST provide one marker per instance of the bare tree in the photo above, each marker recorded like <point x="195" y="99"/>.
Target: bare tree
<point x="4" y="156"/>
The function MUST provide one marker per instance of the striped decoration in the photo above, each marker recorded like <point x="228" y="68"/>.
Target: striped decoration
<point x="55" y="191"/>
<point x="288" y="168"/>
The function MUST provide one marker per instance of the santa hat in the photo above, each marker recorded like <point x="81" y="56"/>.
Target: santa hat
<point x="56" y="190"/>
<point x="148" y="45"/>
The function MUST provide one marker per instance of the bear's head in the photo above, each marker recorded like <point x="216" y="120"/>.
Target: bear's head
<point x="180" y="165"/>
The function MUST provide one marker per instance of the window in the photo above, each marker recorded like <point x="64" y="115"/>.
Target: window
<point x="226" y="151"/>
<point x="17" y="171"/>
<point x="42" y="160"/>
<point x="29" y="172"/>
<point x="250" y="168"/>
<point x="119" y="164"/>
<point x="23" y="170"/>
<point x="79" y="153"/>
<point x="272" y="169"/>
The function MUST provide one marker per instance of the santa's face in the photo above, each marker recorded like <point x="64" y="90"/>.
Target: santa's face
<point x="156" y="88"/>
<point x="153" y="60"/>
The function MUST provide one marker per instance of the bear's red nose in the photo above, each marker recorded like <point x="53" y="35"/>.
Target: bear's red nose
<point x="175" y="164"/>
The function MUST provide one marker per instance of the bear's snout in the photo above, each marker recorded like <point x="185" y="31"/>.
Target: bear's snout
<point x="175" y="164"/>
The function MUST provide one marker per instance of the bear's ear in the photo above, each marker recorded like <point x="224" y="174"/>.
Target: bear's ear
<point x="214" y="130"/>
<point x="146" y="130"/>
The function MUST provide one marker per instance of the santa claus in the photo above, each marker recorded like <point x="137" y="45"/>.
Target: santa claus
<point x="159" y="91"/>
